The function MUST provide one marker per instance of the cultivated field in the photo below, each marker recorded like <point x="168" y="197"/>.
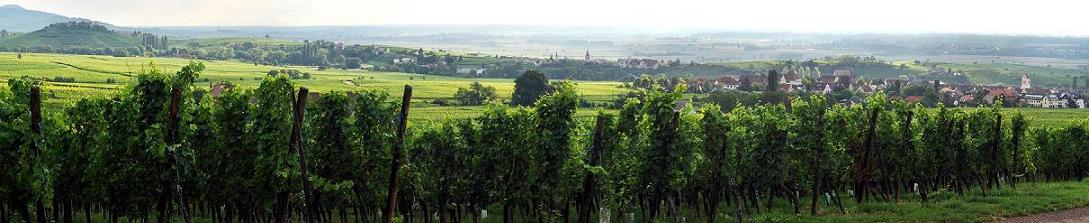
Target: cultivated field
<point x="100" y="76"/>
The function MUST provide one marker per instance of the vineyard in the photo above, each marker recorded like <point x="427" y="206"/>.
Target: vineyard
<point x="164" y="150"/>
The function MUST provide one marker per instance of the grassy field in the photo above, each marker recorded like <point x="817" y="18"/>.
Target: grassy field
<point x="1028" y="198"/>
<point x="233" y="40"/>
<point x="947" y="207"/>
<point x="99" y="76"/>
<point x="1010" y="74"/>
<point x="1049" y="117"/>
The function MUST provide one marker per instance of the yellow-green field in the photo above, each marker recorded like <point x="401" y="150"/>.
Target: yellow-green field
<point x="100" y="76"/>
<point x="1050" y="117"/>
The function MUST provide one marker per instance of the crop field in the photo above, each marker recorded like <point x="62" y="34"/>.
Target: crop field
<point x="1050" y="117"/>
<point x="100" y="76"/>
<point x="988" y="73"/>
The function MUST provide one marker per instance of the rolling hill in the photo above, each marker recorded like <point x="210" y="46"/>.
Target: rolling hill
<point x="14" y="18"/>
<point x="72" y="35"/>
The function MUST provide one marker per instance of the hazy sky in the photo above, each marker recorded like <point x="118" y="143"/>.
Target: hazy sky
<point x="1049" y="17"/>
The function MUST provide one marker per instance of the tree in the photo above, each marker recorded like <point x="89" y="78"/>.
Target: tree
<point x="728" y="99"/>
<point x="477" y="94"/>
<point x="773" y="81"/>
<point x="528" y="87"/>
<point x="353" y="63"/>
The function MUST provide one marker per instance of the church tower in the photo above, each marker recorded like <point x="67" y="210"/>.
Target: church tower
<point x="587" y="55"/>
<point x="1026" y="83"/>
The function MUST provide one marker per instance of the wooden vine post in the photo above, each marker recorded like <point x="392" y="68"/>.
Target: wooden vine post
<point x="588" y="183"/>
<point x="36" y="132"/>
<point x="35" y="117"/>
<point x="996" y="157"/>
<point x="174" y="188"/>
<point x="818" y="151"/>
<point x="297" y="145"/>
<point x="395" y="164"/>
<point x="863" y="170"/>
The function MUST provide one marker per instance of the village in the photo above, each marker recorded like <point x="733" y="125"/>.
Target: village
<point x="850" y="84"/>
<point x="948" y="87"/>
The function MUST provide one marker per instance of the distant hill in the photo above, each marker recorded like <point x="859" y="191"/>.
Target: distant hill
<point x="14" y="18"/>
<point x="72" y="34"/>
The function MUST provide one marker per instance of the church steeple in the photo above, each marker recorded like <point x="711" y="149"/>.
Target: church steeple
<point x="587" y="55"/>
<point x="1026" y="83"/>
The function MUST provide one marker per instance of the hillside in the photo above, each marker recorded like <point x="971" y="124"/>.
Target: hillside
<point x="14" y="18"/>
<point x="70" y="35"/>
<point x="84" y="76"/>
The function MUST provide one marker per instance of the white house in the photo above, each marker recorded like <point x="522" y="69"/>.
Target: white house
<point x="471" y="71"/>
<point x="405" y="60"/>
<point x="1043" y="101"/>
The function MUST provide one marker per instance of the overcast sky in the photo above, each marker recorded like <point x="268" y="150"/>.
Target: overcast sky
<point x="1045" y="17"/>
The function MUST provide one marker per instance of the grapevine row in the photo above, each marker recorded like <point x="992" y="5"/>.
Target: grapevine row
<point x="163" y="148"/>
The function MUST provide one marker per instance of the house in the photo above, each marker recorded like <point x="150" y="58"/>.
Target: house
<point x="867" y="88"/>
<point x="727" y="82"/>
<point x="1043" y="101"/>
<point x="697" y="86"/>
<point x="841" y="80"/>
<point x="1040" y="97"/>
<point x="755" y="81"/>
<point x="791" y="78"/>
<point x="1037" y="91"/>
<point x="406" y="60"/>
<point x="999" y="93"/>
<point x="914" y="99"/>
<point x="1053" y="101"/>
<point x="639" y="63"/>
<point x="785" y="87"/>
<point x="217" y="89"/>
<point x="965" y="99"/>
<point x="824" y="88"/>
<point x="842" y="73"/>
<point x="471" y="71"/>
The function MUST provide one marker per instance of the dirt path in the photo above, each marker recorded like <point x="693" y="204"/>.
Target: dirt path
<point x="1075" y="215"/>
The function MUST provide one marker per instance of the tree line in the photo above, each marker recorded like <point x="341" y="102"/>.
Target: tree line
<point x="163" y="148"/>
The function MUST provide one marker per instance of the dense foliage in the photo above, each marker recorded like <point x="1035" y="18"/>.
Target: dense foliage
<point x="529" y="87"/>
<point x="476" y="94"/>
<point x="163" y="148"/>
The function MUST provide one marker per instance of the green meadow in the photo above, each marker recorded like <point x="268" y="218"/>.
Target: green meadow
<point x="100" y="76"/>
<point x="988" y="73"/>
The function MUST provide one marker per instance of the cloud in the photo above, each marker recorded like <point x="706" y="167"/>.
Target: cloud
<point x="977" y="16"/>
